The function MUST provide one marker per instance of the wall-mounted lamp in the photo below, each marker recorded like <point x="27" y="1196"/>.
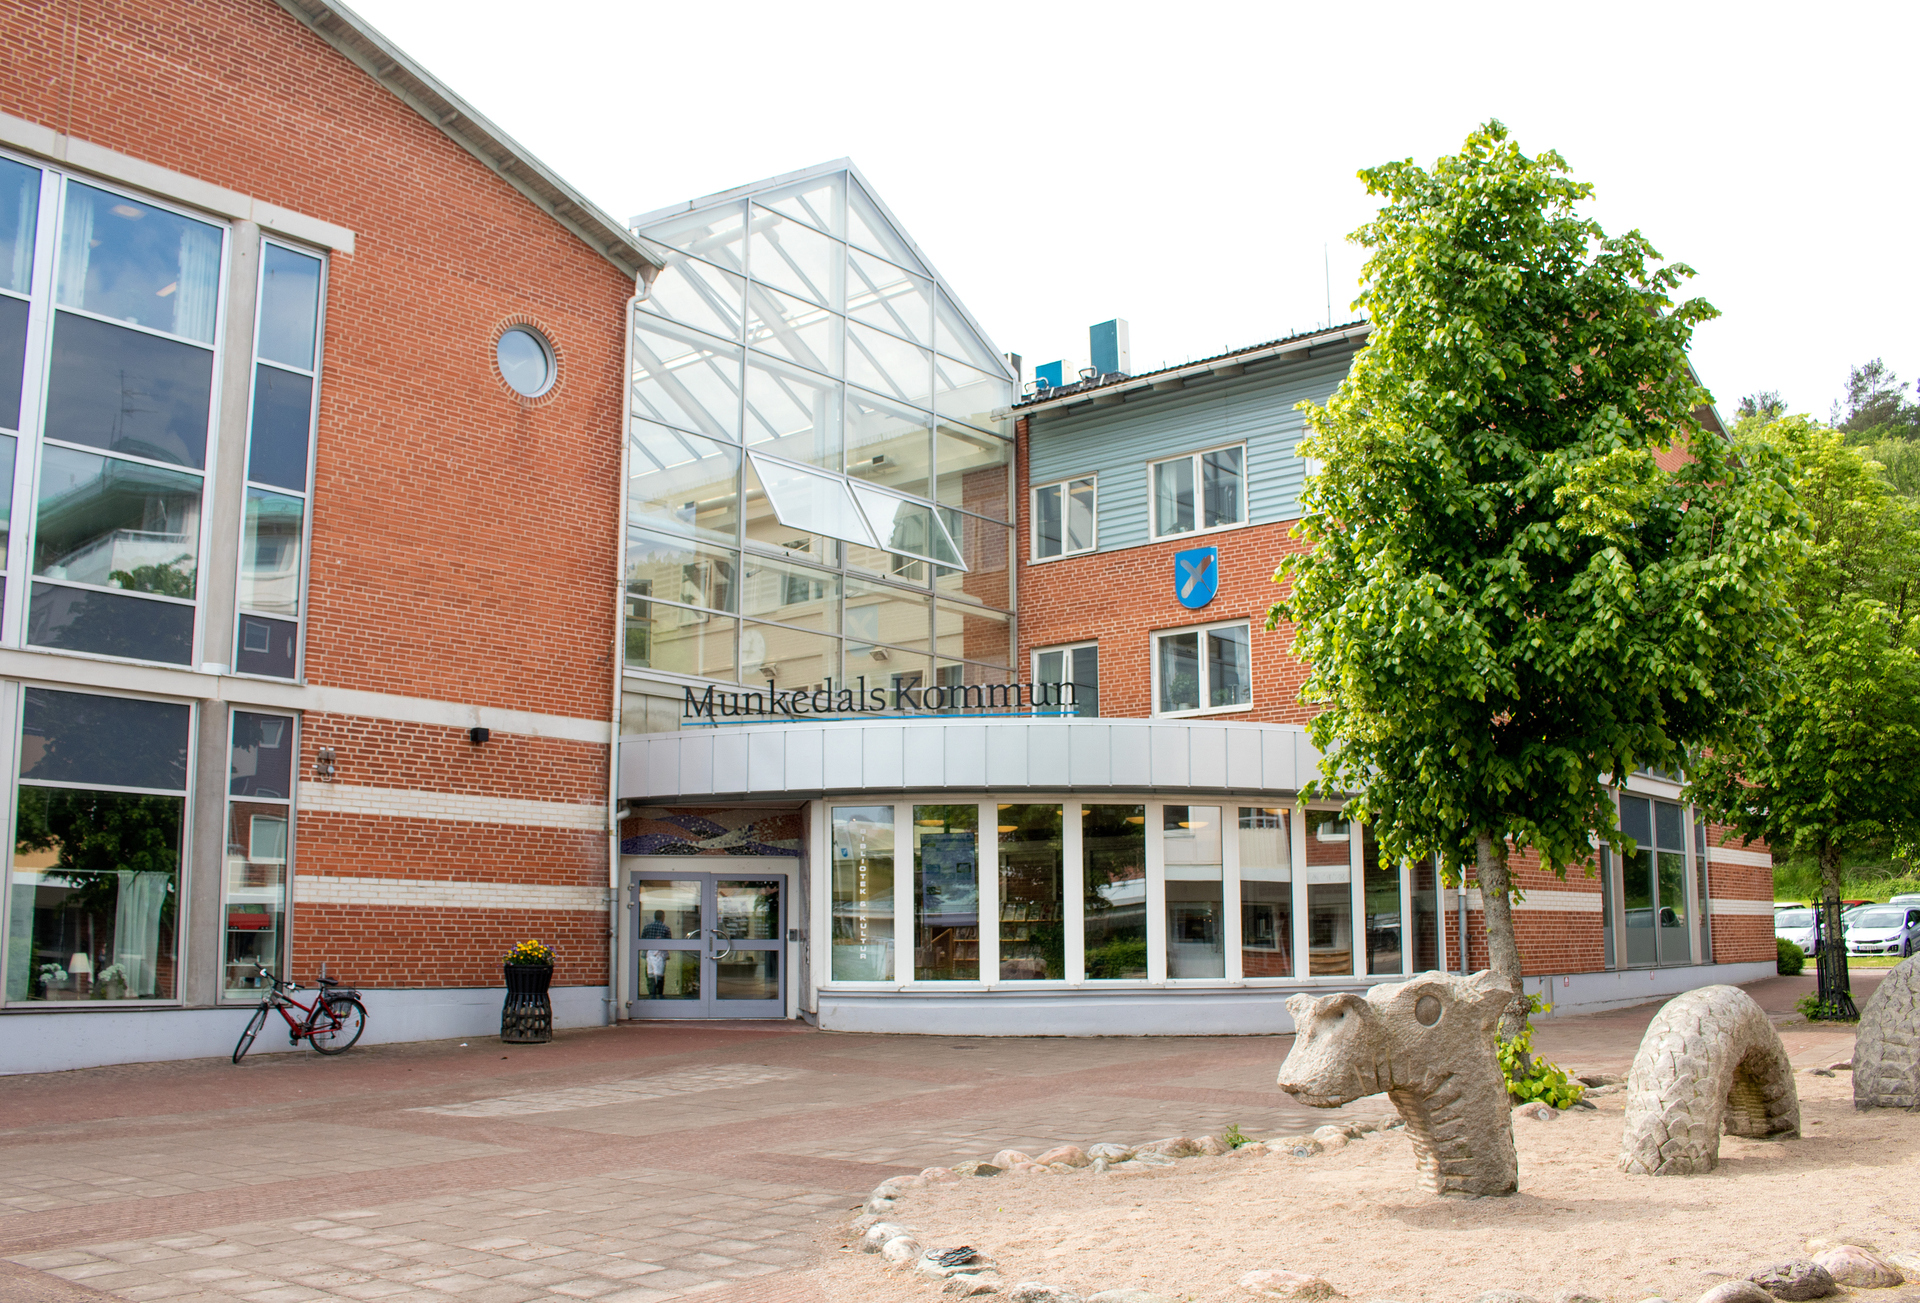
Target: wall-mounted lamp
<point x="478" y="735"/>
<point x="323" y="767"/>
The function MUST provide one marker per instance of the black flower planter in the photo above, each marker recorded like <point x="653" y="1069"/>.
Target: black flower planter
<point x="527" y="1016"/>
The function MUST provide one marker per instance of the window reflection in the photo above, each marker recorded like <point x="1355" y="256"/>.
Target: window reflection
<point x="946" y="893"/>
<point x="1032" y="918"/>
<point x="117" y="524"/>
<point x="137" y="263"/>
<point x="1329" y="894"/>
<point x="1113" y="850"/>
<point x="270" y="553"/>
<point x="1266" y="892"/>
<point x="1191" y="840"/>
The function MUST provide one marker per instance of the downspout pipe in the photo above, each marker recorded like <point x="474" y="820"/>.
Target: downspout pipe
<point x="617" y="659"/>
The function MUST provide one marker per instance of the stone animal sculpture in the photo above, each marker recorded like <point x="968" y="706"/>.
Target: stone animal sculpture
<point x="1886" y="1052"/>
<point x="1710" y="1060"/>
<point x="1429" y="1044"/>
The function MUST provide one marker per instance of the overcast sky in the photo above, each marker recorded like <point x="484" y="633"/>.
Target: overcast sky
<point x="1190" y="166"/>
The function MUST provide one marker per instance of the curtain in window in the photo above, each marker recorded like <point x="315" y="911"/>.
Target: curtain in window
<point x="199" y="290"/>
<point x="76" y="244"/>
<point x="136" y="931"/>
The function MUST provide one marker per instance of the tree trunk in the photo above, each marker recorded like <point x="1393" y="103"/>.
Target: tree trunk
<point x="1503" y="951"/>
<point x="1836" y="989"/>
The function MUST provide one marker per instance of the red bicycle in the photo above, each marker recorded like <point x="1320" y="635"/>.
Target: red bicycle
<point x="332" y="1023"/>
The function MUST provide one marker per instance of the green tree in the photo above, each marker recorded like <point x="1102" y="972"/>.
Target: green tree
<point x="1876" y="407"/>
<point x="1509" y="596"/>
<point x="1831" y="761"/>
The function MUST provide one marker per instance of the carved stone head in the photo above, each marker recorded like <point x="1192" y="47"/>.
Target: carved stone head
<point x="1393" y="1038"/>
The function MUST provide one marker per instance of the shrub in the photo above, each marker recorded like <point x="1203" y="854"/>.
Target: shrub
<point x="1530" y="1078"/>
<point x="1792" y="957"/>
<point x="1818" y="1010"/>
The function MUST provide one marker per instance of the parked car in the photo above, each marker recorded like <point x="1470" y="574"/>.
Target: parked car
<point x="1779" y="905"/>
<point x="1904" y="900"/>
<point x="1884" y="930"/>
<point x="1796" y="925"/>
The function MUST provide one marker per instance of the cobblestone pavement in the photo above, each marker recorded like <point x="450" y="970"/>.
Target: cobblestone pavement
<point x="632" y="1164"/>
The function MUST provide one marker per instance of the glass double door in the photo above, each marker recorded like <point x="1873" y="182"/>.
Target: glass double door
<point x="708" y="945"/>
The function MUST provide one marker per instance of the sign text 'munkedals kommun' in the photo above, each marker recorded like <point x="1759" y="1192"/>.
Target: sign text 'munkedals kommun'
<point x="829" y="702"/>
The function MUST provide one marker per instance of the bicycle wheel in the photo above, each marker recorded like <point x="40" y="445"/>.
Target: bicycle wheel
<point x="254" y="1024"/>
<point x="334" y="1025"/>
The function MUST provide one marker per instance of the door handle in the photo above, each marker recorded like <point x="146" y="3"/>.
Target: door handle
<point x="720" y="935"/>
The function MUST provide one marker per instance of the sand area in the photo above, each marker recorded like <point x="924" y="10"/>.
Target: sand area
<point x="1353" y="1217"/>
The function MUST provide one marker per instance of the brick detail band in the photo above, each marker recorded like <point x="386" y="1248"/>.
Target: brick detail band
<point x="415" y="893"/>
<point x="1735" y="855"/>
<point x="1560" y="902"/>
<point x="1752" y="908"/>
<point x="456" y="807"/>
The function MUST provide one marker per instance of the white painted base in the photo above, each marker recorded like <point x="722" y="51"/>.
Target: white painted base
<point x="32" y="1041"/>
<point x="1576" y="993"/>
<point x="1225" y="1011"/>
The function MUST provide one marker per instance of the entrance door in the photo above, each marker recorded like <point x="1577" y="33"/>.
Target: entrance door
<point x="708" y="945"/>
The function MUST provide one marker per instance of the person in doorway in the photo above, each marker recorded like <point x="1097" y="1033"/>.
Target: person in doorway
<point x="657" y="959"/>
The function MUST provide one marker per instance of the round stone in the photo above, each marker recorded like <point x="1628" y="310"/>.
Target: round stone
<point x="1860" y="1267"/>
<point x="1794" y="1279"/>
<point x="1736" y="1291"/>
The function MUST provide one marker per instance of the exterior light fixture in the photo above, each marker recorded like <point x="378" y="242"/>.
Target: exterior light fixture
<point x="323" y="766"/>
<point x="478" y="735"/>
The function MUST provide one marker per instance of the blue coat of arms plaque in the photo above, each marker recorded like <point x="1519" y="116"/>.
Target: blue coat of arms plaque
<point x="1196" y="576"/>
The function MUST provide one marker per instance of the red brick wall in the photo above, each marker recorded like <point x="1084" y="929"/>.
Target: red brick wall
<point x="1120" y="598"/>
<point x="463" y="540"/>
<point x="378" y="946"/>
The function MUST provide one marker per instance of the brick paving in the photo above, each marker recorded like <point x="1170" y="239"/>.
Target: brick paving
<point x="633" y="1164"/>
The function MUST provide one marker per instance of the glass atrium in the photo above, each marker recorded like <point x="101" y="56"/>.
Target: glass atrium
<point x="820" y="462"/>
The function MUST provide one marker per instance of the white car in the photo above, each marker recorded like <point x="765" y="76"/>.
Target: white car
<point x="1796" y="925"/>
<point x="1884" y="930"/>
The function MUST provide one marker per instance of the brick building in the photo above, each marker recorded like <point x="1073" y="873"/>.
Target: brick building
<point x="311" y="389"/>
<point x="412" y="559"/>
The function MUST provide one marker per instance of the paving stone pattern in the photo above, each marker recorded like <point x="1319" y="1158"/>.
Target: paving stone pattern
<point x="634" y="1164"/>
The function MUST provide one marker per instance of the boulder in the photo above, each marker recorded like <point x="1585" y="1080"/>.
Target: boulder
<point x="1071" y="1155"/>
<point x="1033" y="1291"/>
<point x="1172" y="1147"/>
<point x="895" y="1186"/>
<point x="1298" y="1146"/>
<point x="900" y="1250"/>
<point x="1031" y="1169"/>
<point x="1538" y="1110"/>
<point x="940" y="1175"/>
<point x="1213" y="1146"/>
<point x="1128" y="1296"/>
<point x="1862" y="1268"/>
<point x="879" y="1207"/>
<point x="1252" y="1149"/>
<point x="1907" y="1260"/>
<point x="1575" y="1296"/>
<point x="1276" y="1283"/>
<point x="1794" y="1279"/>
<point x="966" y="1286"/>
<point x="1112" y="1153"/>
<point x="1006" y="1158"/>
<point x="1736" y="1291"/>
<point x="1331" y="1137"/>
<point x="878" y="1234"/>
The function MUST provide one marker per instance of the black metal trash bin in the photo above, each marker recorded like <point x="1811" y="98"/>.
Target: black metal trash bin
<point x="527" y="1016"/>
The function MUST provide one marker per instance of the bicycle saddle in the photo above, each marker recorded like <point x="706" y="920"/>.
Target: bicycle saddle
<point x="326" y="981"/>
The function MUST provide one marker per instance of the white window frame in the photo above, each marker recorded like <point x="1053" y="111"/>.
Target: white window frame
<point x="1033" y="518"/>
<point x="1153" y="497"/>
<point x="1033" y="657"/>
<point x="1153" y="665"/>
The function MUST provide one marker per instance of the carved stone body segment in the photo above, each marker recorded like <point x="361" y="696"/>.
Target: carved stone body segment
<point x="1710" y="1061"/>
<point x="1429" y="1044"/>
<point x="1886" y="1054"/>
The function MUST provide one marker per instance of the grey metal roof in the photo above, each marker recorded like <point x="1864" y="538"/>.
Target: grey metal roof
<point x="1114" y="388"/>
<point x="350" y="34"/>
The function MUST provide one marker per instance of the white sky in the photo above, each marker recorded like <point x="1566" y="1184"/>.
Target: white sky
<point x="1183" y="165"/>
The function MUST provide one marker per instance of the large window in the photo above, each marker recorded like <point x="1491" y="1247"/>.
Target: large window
<point x="1198" y="670"/>
<point x="946" y="893"/>
<point x="1199" y="492"/>
<point x="1654" y="883"/>
<point x="1078" y="665"/>
<point x="286" y="370"/>
<point x="1032" y="893"/>
<point x="99" y="822"/>
<point x="1113" y="850"/>
<point x="1328" y="836"/>
<point x="1196" y="895"/>
<point x="862" y="893"/>
<point x="1266" y="891"/>
<point x="1063" y="519"/>
<point x="125" y="427"/>
<point x="260" y="775"/>
<point x="804" y="390"/>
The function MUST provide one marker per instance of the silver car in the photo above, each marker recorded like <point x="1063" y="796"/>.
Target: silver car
<point x="1884" y="930"/>
<point x="1796" y="925"/>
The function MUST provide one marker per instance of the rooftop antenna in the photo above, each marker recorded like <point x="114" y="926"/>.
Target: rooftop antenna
<point x="1326" y="267"/>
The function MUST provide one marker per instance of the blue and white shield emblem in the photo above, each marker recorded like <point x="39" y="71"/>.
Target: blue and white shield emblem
<point x="1196" y="576"/>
